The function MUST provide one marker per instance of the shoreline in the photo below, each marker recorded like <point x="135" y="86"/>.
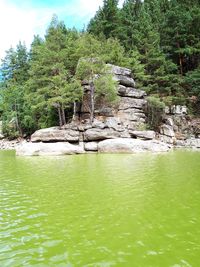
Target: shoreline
<point x="109" y="146"/>
<point x="6" y="144"/>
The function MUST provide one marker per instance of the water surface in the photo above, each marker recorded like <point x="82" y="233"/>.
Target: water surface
<point x="100" y="210"/>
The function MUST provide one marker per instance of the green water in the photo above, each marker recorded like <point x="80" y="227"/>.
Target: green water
<point x="100" y="210"/>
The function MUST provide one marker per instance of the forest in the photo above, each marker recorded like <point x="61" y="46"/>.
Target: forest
<point x="159" y="40"/>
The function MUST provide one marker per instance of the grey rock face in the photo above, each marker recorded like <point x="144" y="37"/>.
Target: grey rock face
<point x="136" y="126"/>
<point x="147" y="135"/>
<point x="170" y="122"/>
<point x="55" y="134"/>
<point x="167" y="130"/>
<point x="115" y="123"/>
<point x="98" y="124"/>
<point x="96" y="134"/>
<point x="116" y="70"/>
<point x="91" y="146"/>
<point x="195" y="125"/>
<point x="48" y="149"/>
<point x="176" y="110"/>
<point x="131" y="92"/>
<point x="168" y="139"/>
<point x="131" y="115"/>
<point x="124" y="80"/>
<point x="128" y="145"/>
<point x="105" y="111"/>
<point x="131" y="103"/>
<point x="193" y="143"/>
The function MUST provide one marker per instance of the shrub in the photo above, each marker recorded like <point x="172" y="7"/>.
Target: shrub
<point x="155" y="112"/>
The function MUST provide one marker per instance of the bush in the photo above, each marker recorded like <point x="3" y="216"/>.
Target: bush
<point x="155" y="112"/>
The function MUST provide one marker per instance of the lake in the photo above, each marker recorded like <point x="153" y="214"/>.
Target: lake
<point x="140" y="210"/>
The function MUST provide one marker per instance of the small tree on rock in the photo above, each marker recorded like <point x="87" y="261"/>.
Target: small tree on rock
<point x="95" y="72"/>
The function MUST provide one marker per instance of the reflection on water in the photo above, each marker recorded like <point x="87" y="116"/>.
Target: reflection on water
<point x="100" y="210"/>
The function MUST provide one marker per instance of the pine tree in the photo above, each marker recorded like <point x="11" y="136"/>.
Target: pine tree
<point x="128" y="28"/>
<point x="181" y="41"/>
<point x="101" y="83"/>
<point x="14" y="73"/>
<point x="48" y="86"/>
<point x="106" y="20"/>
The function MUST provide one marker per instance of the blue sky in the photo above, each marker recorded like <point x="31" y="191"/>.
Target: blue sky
<point x="21" y="19"/>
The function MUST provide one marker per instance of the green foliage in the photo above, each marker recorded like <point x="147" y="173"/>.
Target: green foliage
<point x="155" y="112"/>
<point x="51" y="88"/>
<point x="14" y="73"/>
<point x="192" y="86"/>
<point x="161" y="41"/>
<point x="102" y="85"/>
<point x="192" y="82"/>
<point x="106" y="20"/>
<point x="180" y="34"/>
<point x="106" y="88"/>
<point x="157" y="39"/>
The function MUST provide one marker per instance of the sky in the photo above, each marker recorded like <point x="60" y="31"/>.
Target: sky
<point x="20" y="20"/>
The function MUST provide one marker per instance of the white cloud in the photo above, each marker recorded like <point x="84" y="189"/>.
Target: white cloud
<point x="21" y="22"/>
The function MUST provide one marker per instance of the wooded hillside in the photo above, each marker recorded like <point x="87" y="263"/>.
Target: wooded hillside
<point x="159" y="40"/>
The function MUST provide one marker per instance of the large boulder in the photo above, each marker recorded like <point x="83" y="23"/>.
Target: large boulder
<point x="195" y="126"/>
<point x="168" y="139"/>
<point x="124" y="80"/>
<point x="91" y="146"/>
<point x="98" y="124"/>
<point x="55" y="134"/>
<point x="129" y="103"/>
<point x="147" y="135"/>
<point x="193" y="142"/>
<point x="129" y="145"/>
<point x="176" y="109"/>
<point x="167" y="130"/>
<point x="116" y="70"/>
<point x="115" y="123"/>
<point x="131" y="92"/>
<point x="96" y="134"/>
<point x="48" y="149"/>
<point x="131" y="115"/>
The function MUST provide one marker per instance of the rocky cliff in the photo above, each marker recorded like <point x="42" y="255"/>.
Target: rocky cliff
<point x="123" y="125"/>
<point x="179" y="129"/>
<point x="126" y="119"/>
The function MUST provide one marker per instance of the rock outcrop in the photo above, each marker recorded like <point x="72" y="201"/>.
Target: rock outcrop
<point x="146" y="135"/>
<point x="129" y="112"/>
<point x="129" y="145"/>
<point x="179" y="129"/>
<point x="91" y="146"/>
<point x="96" y="134"/>
<point x="48" y="149"/>
<point x="119" y="128"/>
<point x="9" y="145"/>
<point x="54" y="134"/>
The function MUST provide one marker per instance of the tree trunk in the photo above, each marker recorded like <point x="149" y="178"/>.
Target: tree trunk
<point x="92" y="102"/>
<point x="180" y="56"/>
<point x="17" y="121"/>
<point x="60" y="117"/>
<point x="74" y="111"/>
<point x="63" y="116"/>
<point x="181" y="64"/>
